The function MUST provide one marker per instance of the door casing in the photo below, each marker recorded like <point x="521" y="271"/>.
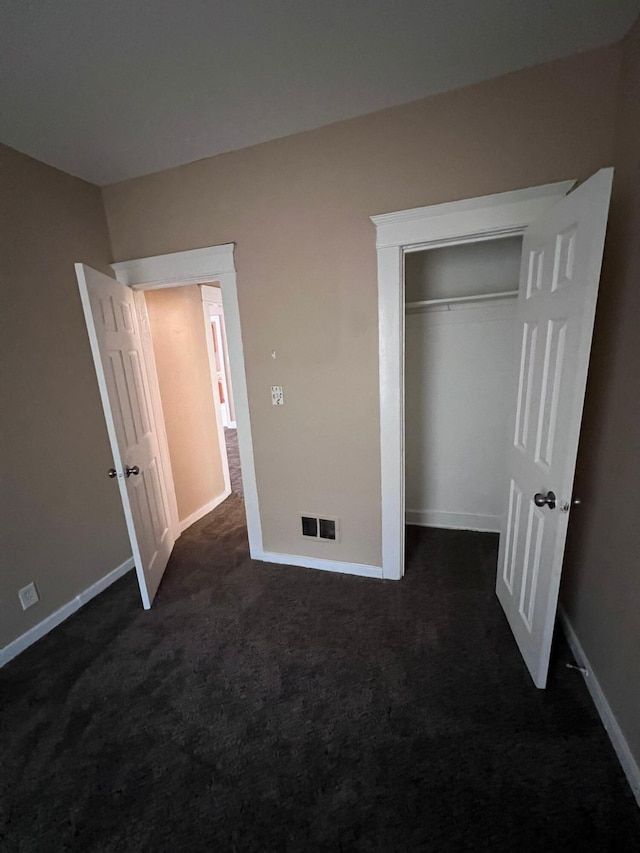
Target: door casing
<point x="211" y="265"/>
<point x="471" y="220"/>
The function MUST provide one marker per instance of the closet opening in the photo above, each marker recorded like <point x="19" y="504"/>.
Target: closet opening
<point x="460" y="356"/>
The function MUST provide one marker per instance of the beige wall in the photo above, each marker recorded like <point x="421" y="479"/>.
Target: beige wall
<point x="601" y="586"/>
<point x="298" y="209"/>
<point x="177" y="327"/>
<point x="61" y="522"/>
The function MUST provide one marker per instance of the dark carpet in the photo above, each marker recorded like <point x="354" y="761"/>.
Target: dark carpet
<point x="268" y="708"/>
<point x="233" y="457"/>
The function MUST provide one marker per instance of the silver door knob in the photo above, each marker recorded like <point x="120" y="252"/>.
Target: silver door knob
<point x="133" y="469"/>
<point x="111" y="473"/>
<point x="545" y="500"/>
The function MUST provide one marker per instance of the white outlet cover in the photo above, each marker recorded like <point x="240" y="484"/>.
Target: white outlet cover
<point x="277" y="396"/>
<point x="28" y="596"/>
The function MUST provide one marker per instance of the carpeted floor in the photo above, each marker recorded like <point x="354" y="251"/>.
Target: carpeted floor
<point x="233" y="457"/>
<point x="267" y="708"/>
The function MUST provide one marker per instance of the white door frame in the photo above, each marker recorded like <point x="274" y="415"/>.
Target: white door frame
<point x="211" y="265"/>
<point x="222" y="445"/>
<point x="211" y="297"/>
<point x="216" y="328"/>
<point x="468" y="221"/>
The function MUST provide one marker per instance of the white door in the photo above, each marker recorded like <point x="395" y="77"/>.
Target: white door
<point x="117" y="354"/>
<point x="221" y="388"/>
<point x="560" y="272"/>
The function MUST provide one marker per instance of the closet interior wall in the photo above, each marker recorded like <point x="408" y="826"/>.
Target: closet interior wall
<point x="459" y="368"/>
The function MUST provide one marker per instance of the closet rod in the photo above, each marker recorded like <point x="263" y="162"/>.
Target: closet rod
<point x="482" y="297"/>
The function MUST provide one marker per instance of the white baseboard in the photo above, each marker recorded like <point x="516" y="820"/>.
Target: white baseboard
<point x="203" y="510"/>
<point x="54" y="619"/>
<point x="453" y="520"/>
<point x="617" y="738"/>
<point x="361" y="569"/>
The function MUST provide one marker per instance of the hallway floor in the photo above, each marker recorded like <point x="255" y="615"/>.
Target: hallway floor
<point x="233" y="457"/>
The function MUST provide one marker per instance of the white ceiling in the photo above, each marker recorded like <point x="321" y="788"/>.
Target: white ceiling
<point x="112" y="89"/>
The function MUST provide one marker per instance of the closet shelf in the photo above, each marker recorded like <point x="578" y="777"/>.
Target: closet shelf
<point x="459" y="300"/>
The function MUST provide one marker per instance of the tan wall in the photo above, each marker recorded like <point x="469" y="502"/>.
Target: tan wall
<point x="177" y="327"/>
<point x="601" y="589"/>
<point x="61" y="522"/>
<point x="298" y="209"/>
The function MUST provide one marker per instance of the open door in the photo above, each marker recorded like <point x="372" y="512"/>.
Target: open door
<point x="112" y="325"/>
<point x="559" y="277"/>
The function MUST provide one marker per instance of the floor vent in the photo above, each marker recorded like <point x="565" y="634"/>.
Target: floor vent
<point x="320" y="528"/>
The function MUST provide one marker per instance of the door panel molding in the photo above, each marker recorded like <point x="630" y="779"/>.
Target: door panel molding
<point x="569" y="240"/>
<point x="116" y="343"/>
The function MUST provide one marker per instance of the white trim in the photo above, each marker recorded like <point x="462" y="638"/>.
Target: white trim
<point x="215" y="326"/>
<point x="360" y="569"/>
<point x="467" y="221"/>
<point x="195" y="266"/>
<point x="203" y="510"/>
<point x="617" y="738"/>
<point x="391" y="367"/>
<point x="488" y="216"/>
<point x="243" y="415"/>
<point x="213" y="376"/>
<point x="54" y="619"/>
<point x="204" y="266"/>
<point x="213" y="298"/>
<point x="453" y="520"/>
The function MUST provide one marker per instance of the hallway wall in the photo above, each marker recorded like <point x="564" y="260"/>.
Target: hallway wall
<point x="176" y="320"/>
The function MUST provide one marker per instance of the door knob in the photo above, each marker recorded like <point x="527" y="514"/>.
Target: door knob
<point x="111" y="473"/>
<point x="545" y="500"/>
<point x="133" y="469"/>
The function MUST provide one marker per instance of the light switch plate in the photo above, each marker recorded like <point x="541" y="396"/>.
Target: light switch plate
<point x="277" y="397"/>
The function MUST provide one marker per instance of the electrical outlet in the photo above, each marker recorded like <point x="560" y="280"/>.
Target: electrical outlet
<point x="277" y="397"/>
<point x="28" y="596"/>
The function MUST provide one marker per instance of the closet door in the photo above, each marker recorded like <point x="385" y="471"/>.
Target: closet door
<point x="560" y="272"/>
